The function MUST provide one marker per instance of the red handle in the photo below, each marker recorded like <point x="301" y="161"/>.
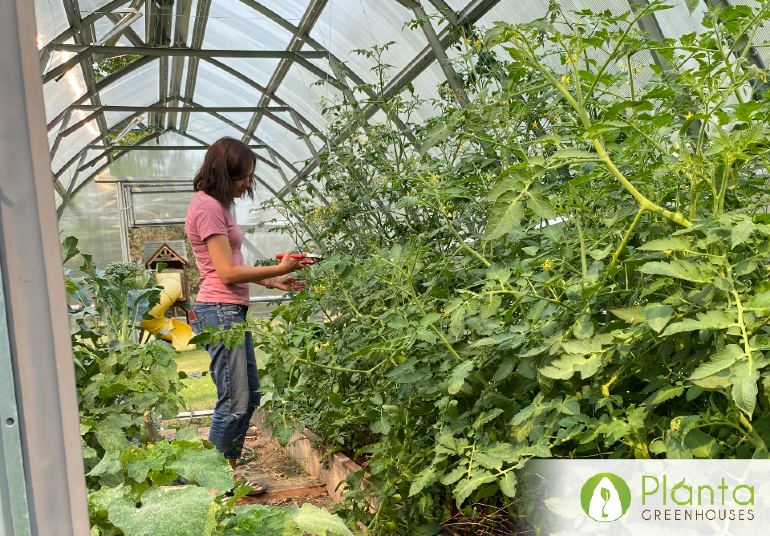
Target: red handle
<point x="292" y="255"/>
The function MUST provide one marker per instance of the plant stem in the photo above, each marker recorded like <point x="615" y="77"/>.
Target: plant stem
<point x="641" y="200"/>
<point x="626" y="237"/>
<point x="742" y="324"/>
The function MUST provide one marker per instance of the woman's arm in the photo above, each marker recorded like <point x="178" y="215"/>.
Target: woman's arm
<point x="221" y="256"/>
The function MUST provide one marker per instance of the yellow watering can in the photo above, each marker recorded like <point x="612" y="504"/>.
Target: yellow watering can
<point x="178" y="333"/>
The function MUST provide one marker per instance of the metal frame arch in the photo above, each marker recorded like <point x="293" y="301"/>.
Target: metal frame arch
<point x="108" y="152"/>
<point x="118" y="75"/>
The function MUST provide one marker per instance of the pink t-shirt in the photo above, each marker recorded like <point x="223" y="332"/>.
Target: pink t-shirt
<point x="207" y="217"/>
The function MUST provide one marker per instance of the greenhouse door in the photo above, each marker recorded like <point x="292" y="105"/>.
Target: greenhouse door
<point x="42" y="490"/>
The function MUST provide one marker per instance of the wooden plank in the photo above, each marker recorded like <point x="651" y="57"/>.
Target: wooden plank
<point x="332" y="471"/>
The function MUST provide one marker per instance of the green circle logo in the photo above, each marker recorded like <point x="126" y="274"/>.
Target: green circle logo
<point x="605" y="497"/>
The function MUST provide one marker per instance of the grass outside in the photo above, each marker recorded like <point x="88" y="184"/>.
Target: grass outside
<point x="199" y="393"/>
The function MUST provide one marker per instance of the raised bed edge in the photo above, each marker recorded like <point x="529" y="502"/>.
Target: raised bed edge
<point x="331" y="471"/>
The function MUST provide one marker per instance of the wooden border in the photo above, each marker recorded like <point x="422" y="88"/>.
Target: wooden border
<point x="303" y="447"/>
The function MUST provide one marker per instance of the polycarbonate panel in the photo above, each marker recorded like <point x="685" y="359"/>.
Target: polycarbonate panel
<point x="268" y="174"/>
<point x="458" y="5"/>
<point x="291" y="11"/>
<point x="74" y="142"/>
<point x="171" y="164"/>
<point x="159" y="206"/>
<point x="137" y="88"/>
<point x="301" y="90"/>
<point x="102" y="27"/>
<point x="92" y="217"/>
<point x="678" y="21"/>
<point x="241" y="119"/>
<point x="283" y="141"/>
<point x="285" y="171"/>
<point x="264" y="244"/>
<point x="250" y="212"/>
<point x="347" y="25"/>
<point x="89" y="6"/>
<point x="60" y="93"/>
<point x="233" y="25"/>
<point x="214" y="84"/>
<point x="426" y="87"/>
<point x="139" y="26"/>
<point x="516" y="12"/>
<point x="66" y="177"/>
<point x="114" y="118"/>
<point x="209" y="129"/>
<point x="51" y="21"/>
<point x="258" y="70"/>
<point x="762" y="38"/>
<point x="92" y="163"/>
<point x="56" y="58"/>
<point x="86" y="134"/>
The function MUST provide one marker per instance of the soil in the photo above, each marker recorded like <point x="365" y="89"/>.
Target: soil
<point x="264" y="462"/>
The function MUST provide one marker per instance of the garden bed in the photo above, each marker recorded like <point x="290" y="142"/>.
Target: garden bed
<point x="303" y="447"/>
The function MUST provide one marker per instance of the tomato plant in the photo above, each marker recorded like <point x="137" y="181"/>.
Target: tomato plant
<point x="572" y="265"/>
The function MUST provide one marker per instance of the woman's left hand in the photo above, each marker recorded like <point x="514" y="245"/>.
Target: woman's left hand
<point x="288" y="282"/>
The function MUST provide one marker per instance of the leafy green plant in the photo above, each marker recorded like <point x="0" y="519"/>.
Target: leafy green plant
<point x="572" y="265"/>
<point x="140" y="485"/>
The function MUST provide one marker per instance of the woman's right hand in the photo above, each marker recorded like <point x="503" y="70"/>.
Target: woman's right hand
<point x="292" y="262"/>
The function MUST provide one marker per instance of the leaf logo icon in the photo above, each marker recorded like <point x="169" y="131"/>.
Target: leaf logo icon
<point x="605" y="497"/>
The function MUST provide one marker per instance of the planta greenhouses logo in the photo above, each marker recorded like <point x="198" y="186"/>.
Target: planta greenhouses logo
<point x="605" y="497"/>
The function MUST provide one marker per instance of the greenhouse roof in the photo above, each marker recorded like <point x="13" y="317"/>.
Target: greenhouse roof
<point x="157" y="81"/>
<point x="255" y="70"/>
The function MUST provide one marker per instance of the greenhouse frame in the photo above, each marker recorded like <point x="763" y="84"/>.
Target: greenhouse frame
<point x="109" y="106"/>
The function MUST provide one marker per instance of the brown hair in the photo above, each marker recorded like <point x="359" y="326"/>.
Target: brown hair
<point x="226" y="160"/>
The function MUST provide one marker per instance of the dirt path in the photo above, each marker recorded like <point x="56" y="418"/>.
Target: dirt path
<point x="264" y="462"/>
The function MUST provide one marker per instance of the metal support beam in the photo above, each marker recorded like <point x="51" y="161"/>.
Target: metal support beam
<point x="122" y="27"/>
<point x="199" y="29"/>
<point x="649" y="24"/>
<point x="440" y="52"/>
<point x="337" y="66"/>
<point x="125" y="249"/>
<point x="309" y="19"/>
<point x="472" y="13"/>
<point x="50" y="497"/>
<point x="58" y="139"/>
<point x="159" y="147"/>
<point x="168" y="51"/>
<point x="262" y="89"/>
<point x="446" y="10"/>
<point x="14" y="518"/>
<point x="100" y="85"/>
<point x="84" y="53"/>
<point x="259" y="157"/>
<point x="101" y="168"/>
<point x="189" y="109"/>
<point x="305" y="137"/>
<point x="85" y="34"/>
<point x="182" y="26"/>
<point x="103" y="11"/>
<point x="271" y="151"/>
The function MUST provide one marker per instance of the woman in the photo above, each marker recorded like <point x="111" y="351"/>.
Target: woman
<point x="227" y="173"/>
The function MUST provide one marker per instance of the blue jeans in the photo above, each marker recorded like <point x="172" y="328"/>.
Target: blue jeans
<point x="234" y="371"/>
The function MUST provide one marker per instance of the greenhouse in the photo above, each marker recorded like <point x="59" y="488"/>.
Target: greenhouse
<point x="413" y="267"/>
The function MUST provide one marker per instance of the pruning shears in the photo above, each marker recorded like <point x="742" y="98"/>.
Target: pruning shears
<point x="309" y="258"/>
